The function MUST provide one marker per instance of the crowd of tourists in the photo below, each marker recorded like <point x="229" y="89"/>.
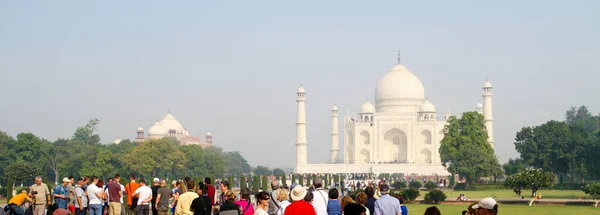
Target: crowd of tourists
<point x="90" y="195"/>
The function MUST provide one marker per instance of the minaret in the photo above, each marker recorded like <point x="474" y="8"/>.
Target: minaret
<point x="335" y="135"/>
<point x="487" y="111"/>
<point x="301" y="128"/>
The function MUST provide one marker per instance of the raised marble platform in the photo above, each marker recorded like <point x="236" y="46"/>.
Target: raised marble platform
<point x="406" y="169"/>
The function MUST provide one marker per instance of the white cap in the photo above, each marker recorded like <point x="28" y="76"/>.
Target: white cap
<point x="486" y="203"/>
<point x="156" y="180"/>
<point x="66" y="180"/>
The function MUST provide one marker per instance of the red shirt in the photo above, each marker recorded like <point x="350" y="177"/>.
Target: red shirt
<point x="300" y="208"/>
<point x="114" y="189"/>
<point x="211" y="193"/>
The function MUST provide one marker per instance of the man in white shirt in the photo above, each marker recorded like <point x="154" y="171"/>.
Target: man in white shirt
<point x="320" y="197"/>
<point x="95" y="195"/>
<point x="144" y="194"/>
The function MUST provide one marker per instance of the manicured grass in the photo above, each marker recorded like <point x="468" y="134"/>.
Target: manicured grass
<point x="509" y="194"/>
<point x="455" y="209"/>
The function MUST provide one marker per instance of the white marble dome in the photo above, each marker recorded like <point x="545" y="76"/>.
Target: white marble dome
<point x="427" y="107"/>
<point x="334" y="107"/>
<point x="170" y="122"/>
<point x="367" y="107"/>
<point x="301" y="90"/>
<point x="399" y="87"/>
<point x="157" y="131"/>
<point x="487" y="84"/>
<point x="140" y="129"/>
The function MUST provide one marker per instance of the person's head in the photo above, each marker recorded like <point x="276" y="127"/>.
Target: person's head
<point x="207" y="180"/>
<point x="282" y="195"/>
<point x="309" y="197"/>
<point x="224" y="186"/>
<point x="432" y="211"/>
<point x="384" y="189"/>
<point x="163" y="183"/>
<point x="156" y="181"/>
<point x="201" y="187"/>
<point x="66" y="181"/>
<point x="334" y="193"/>
<point x="262" y="198"/>
<point x="464" y="213"/>
<point x="94" y="179"/>
<point x="274" y="185"/>
<point x="191" y="185"/>
<point x="345" y="201"/>
<point x="117" y="178"/>
<point x="100" y="183"/>
<point x="361" y="198"/>
<point x="298" y="193"/>
<point x="110" y="179"/>
<point x="245" y="193"/>
<point x="485" y="206"/>
<point x="142" y="182"/>
<point x="399" y="197"/>
<point x="318" y="183"/>
<point x="370" y="192"/>
<point x="24" y="190"/>
<point x="38" y="180"/>
<point x="132" y="177"/>
<point x="174" y="183"/>
<point x="354" y="209"/>
<point x="81" y="181"/>
<point x="72" y="180"/>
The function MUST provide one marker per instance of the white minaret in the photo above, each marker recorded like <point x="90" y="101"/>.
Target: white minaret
<point x="301" y="128"/>
<point x="487" y="111"/>
<point x="335" y="135"/>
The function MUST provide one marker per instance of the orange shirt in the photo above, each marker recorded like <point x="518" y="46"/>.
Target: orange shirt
<point x="130" y="189"/>
<point x="18" y="199"/>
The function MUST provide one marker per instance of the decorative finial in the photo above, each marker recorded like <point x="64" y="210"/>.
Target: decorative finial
<point x="399" y="58"/>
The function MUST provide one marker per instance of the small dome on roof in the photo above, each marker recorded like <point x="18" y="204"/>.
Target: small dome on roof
<point x="301" y="90"/>
<point x="367" y="107"/>
<point x="479" y="105"/>
<point x="334" y="108"/>
<point x="117" y="141"/>
<point x="487" y="84"/>
<point x="209" y="134"/>
<point x="158" y="130"/>
<point x="140" y="129"/>
<point x="427" y="107"/>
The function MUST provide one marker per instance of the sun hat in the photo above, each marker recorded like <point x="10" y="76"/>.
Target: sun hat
<point x="486" y="203"/>
<point x="298" y="193"/>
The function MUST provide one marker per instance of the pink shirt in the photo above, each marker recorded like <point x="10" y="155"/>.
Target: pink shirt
<point x="244" y="204"/>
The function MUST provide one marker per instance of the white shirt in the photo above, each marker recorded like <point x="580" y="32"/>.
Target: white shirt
<point x="320" y="199"/>
<point x="91" y="190"/>
<point x="144" y="192"/>
<point x="283" y="205"/>
<point x="123" y="190"/>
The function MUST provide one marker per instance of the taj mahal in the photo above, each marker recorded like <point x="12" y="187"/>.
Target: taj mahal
<point x="400" y="133"/>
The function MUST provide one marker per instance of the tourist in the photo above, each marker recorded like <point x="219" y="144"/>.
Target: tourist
<point x="485" y="206"/>
<point x="179" y="189"/>
<point x="224" y="188"/>
<point x="42" y="196"/>
<point x="81" y="200"/>
<point x="345" y="201"/>
<point x="61" y="193"/>
<point x="185" y="200"/>
<point x="94" y="194"/>
<point x="102" y="197"/>
<point x="402" y="206"/>
<point x="144" y="196"/>
<point x="202" y="204"/>
<point x="387" y="205"/>
<point x="263" y="202"/>
<point x="162" y="198"/>
<point x="283" y="198"/>
<point x="299" y="206"/>
<point x="273" y="202"/>
<point x="71" y="195"/>
<point x="115" y="195"/>
<point x="333" y="206"/>
<point x="16" y="202"/>
<point x="432" y="211"/>
<point x="370" y="199"/>
<point x="309" y="198"/>
<point x="155" y="187"/>
<point x="361" y="199"/>
<point x="355" y="209"/>
<point x="228" y="207"/>
<point x="129" y="189"/>
<point x="320" y="198"/>
<point x="465" y="213"/>
<point x="211" y="190"/>
<point x="245" y="203"/>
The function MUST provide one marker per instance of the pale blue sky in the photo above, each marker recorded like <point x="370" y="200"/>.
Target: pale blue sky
<point x="232" y="67"/>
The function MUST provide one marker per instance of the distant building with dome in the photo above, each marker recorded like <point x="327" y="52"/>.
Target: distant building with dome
<point x="400" y="133"/>
<point x="169" y="126"/>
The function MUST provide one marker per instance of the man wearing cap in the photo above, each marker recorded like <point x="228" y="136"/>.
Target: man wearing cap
<point x="387" y="205"/>
<point x="61" y="193"/>
<point x="155" y="187"/>
<point x="486" y="206"/>
<point x="81" y="200"/>
<point x="299" y="206"/>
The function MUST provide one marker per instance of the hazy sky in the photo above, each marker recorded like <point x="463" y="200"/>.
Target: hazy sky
<point x="233" y="67"/>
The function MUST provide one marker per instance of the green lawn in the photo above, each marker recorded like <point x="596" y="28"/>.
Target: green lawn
<point x="454" y="209"/>
<point x="509" y="194"/>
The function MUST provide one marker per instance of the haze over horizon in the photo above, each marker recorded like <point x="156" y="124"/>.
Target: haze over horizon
<point x="232" y="68"/>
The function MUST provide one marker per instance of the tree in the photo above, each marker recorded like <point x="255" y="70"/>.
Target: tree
<point x="265" y="183"/>
<point x="155" y="157"/>
<point x="514" y="166"/>
<point x="415" y="184"/>
<point x="31" y="148"/>
<point x="243" y="184"/>
<point x="6" y="155"/>
<point x="430" y="185"/>
<point x="465" y="150"/>
<point x="88" y="133"/>
<point x="195" y="156"/>
<point x="236" y="164"/>
<point x="214" y="161"/>
<point x="284" y="180"/>
<point x="594" y="191"/>
<point x="262" y="170"/>
<point x="22" y="171"/>
<point x="278" y="171"/>
<point x="530" y="179"/>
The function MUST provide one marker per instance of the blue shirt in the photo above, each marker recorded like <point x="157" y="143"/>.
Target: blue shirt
<point x="61" y="190"/>
<point x="334" y="207"/>
<point x="387" y="205"/>
<point x="404" y="210"/>
<point x="371" y="204"/>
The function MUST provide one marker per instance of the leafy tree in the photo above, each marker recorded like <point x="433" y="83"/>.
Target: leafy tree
<point x="243" y="182"/>
<point x="265" y="183"/>
<point x="530" y="179"/>
<point x="236" y="164"/>
<point x="514" y="166"/>
<point x="278" y="171"/>
<point x="430" y="185"/>
<point x="594" y="191"/>
<point x="262" y="170"/>
<point x="293" y="178"/>
<point x="410" y="194"/>
<point x="465" y="150"/>
<point x="6" y="155"/>
<point x="301" y="180"/>
<point x="284" y="180"/>
<point x="88" y="132"/>
<point x="22" y="171"/>
<point x="31" y="148"/>
<point x="195" y="156"/>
